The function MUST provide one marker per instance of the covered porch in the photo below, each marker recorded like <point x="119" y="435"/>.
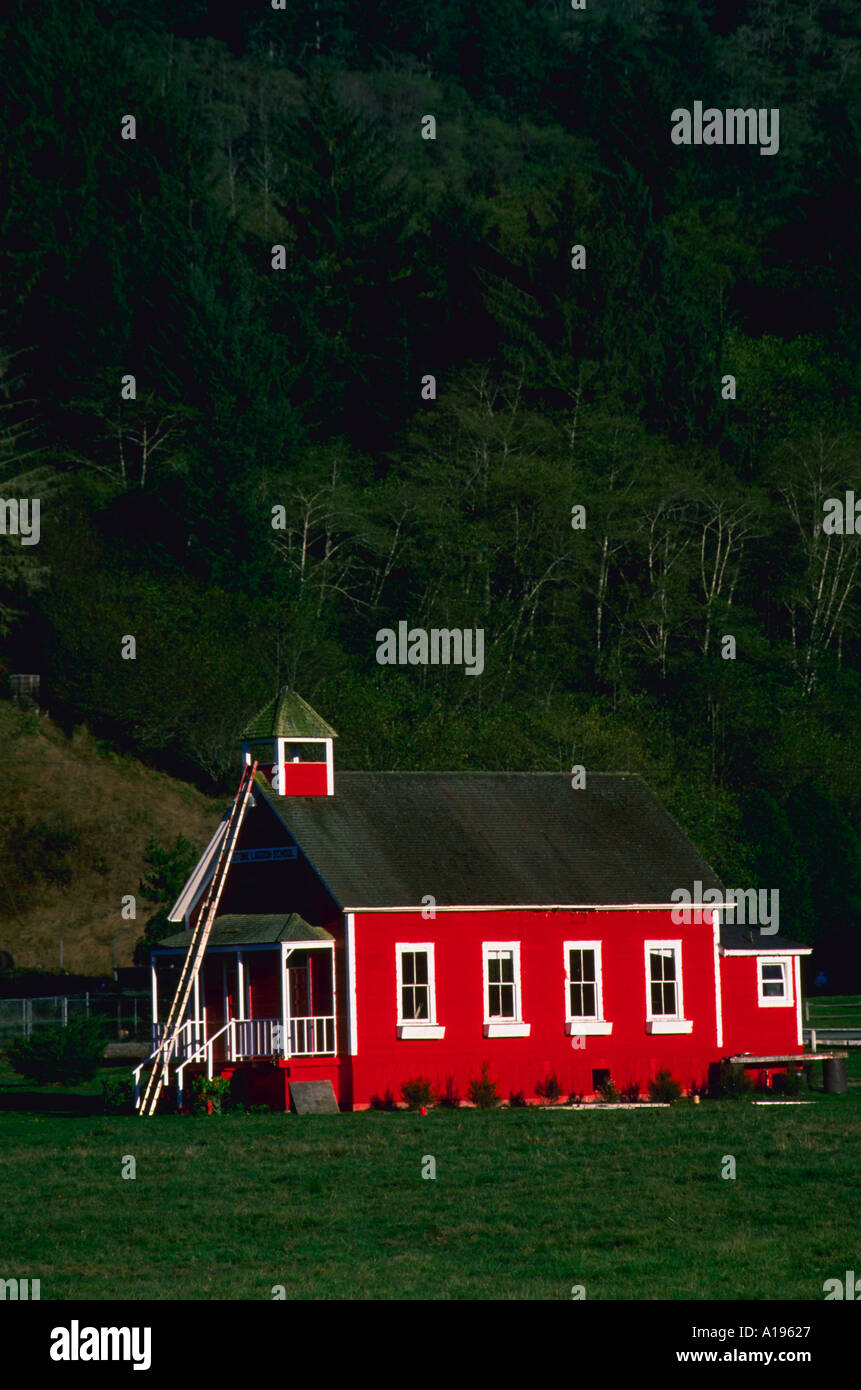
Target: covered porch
<point x="266" y="991"/>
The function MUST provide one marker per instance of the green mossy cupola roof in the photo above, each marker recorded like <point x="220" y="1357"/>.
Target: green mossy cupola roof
<point x="288" y="716"/>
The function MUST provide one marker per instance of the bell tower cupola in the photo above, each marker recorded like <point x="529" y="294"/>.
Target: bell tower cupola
<point x="293" y="747"/>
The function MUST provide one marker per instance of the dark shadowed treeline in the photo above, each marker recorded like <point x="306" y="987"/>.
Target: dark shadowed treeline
<point x="404" y="257"/>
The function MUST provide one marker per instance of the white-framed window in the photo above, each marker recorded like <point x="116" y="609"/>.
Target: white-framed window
<point x="416" y="986"/>
<point x="502" y="1002"/>
<point x="664" y="993"/>
<point x="774" y="982"/>
<point x="584" y="992"/>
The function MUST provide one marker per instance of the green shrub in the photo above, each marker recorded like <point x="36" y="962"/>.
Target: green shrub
<point x="482" y="1091"/>
<point x="209" y="1092"/>
<point x="663" y="1087"/>
<point x="55" y="1053"/>
<point x="549" y="1089"/>
<point x="385" y="1102"/>
<point x="418" y="1092"/>
<point x="631" y="1091"/>
<point x="41" y="851"/>
<point x="516" y="1099"/>
<point x="450" y="1097"/>
<point x="609" y="1092"/>
<point x="119" y="1094"/>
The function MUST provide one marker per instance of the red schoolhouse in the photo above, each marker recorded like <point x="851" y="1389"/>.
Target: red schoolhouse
<point x="377" y="927"/>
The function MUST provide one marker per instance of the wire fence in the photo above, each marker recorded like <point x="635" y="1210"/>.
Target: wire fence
<point x="127" y="1016"/>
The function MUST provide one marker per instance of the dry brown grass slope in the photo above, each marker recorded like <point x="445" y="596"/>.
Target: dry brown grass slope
<point x="113" y="805"/>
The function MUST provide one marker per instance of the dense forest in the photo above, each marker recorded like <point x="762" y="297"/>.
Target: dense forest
<point x="284" y="481"/>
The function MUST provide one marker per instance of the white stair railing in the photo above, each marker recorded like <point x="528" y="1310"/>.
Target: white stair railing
<point x="181" y="1042"/>
<point x="206" y="1047"/>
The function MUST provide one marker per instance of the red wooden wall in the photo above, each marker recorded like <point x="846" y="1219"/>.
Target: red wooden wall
<point x="630" y="1053"/>
<point x="747" y="1027"/>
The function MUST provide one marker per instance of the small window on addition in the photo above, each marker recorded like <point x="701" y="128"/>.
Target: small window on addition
<point x="600" y="1076"/>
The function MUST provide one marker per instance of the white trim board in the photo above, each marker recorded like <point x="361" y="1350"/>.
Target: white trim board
<point x="352" y="1024"/>
<point x="200" y="876"/>
<point x="543" y="907"/>
<point x="768" y="951"/>
<point x="718" y="996"/>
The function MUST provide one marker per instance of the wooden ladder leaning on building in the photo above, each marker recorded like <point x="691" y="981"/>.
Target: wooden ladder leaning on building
<point x="197" y="946"/>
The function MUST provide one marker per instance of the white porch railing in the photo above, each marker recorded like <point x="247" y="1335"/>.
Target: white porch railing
<point x="311" y="1036"/>
<point x="191" y="1036"/>
<point x="257" y="1037"/>
<point x="264" y="1037"/>
<point x="245" y="1038"/>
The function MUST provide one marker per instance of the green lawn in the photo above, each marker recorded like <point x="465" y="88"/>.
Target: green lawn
<point x="525" y="1204"/>
<point x="11" y="1082"/>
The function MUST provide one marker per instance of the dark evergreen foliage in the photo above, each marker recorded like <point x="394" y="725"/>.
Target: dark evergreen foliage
<point x="405" y="257"/>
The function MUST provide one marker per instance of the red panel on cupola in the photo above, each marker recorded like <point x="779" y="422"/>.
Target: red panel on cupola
<point x="298" y="779"/>
<point x="304" y="779"/>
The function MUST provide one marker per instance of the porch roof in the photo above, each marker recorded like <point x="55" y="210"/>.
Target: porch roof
<point x="253" y="929"/>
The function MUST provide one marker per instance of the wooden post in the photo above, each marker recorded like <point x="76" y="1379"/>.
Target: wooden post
<point x="285" y="1036"/>
<point x="240" y="990"/>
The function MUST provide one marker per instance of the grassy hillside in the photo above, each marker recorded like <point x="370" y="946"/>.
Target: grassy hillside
<point x="74" y="824"/>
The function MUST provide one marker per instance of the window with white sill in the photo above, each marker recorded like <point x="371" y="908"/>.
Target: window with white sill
<point x="416" y="986"/>
<point x="502" y="1000"/>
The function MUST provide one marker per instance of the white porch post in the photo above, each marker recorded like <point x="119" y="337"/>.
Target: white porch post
<point x="225" y="1013"/>
<point x="330" y="768"/>
<point x="288" y="951"/>
<point x="154" y="994"/>
<point x="240" y="990"/>
<point x="285" y="1023"/>
<point x="352" y="1010"/>
<point x="196" y="1008"/>
<point x="334" y="1001"/>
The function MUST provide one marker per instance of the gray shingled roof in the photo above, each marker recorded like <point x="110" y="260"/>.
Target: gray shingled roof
<point x="735" y="937"/>
<point x="253" y="929"/>
<point x="388" y="839"/>
<point x="288" y="716"/>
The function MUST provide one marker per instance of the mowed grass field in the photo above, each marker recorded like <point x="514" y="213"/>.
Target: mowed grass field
<point x="525" y="1203"/>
